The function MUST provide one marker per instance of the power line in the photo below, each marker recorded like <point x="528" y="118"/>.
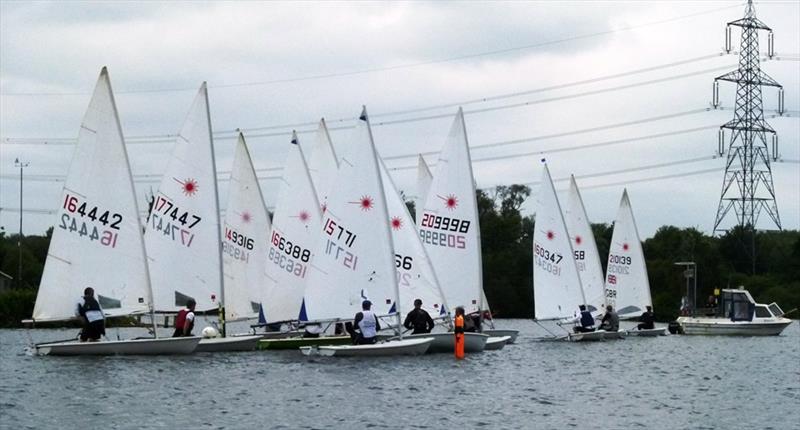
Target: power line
<point x="398" y="66"/>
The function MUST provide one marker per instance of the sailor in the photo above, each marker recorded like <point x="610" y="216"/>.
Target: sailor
<point x="610" y="321"/>
<point x="418" y="319"/>
<point x="184" y="322"/>
<point x="647" y="320"/>
<point x="459" y="332"/>
<point x="367" y="325"/>
<point x="94" y="322"/>
<point x="584" y="321"/>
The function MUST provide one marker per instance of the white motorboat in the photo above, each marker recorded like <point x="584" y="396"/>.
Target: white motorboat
<point x="738" y="315"/>
<point x="163" y="346"/>
<point x="512" y="334"/>
<point x="228" y="344"/>
<point x="495" y="343"/>
<point x="445" y="342"/>
<point x="390" y="348"/>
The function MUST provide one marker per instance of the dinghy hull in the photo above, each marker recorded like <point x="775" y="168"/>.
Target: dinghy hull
<point x="391" y="348"/>
<point x="512" y="334"/>
<point x="587" y="336"/>
<point x="228" y="344"/>
<point x="297" y="342"/>
<point x="495" y="343"/>
<point x="613" y="335"/>
<point x="164" y="346"/>
<point x="651" y="332"/>
<point x="445" y="342"/>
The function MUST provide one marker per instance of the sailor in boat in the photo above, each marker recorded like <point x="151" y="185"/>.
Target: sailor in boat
<point x="184" y="322"/>
<point x="94" y="322"/>
<point x="418" y="319"/>
<point x="647" y="320"/>
<point x="367" y="325"/>
<point x="610" y="321"/>
<point x="584" y="321"/>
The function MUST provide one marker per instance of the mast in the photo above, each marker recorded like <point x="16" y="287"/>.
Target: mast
<point x="386" y="231"/>
<point x="204" y="88"/>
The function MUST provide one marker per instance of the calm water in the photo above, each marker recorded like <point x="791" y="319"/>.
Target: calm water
<point x="667" y="382"/>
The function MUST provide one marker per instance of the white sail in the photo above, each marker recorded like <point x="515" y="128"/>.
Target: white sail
<point x="627" y="285"/>
<point x="584" y="249"/>
<point x="355" y="258"/>
<point x="245" y="236"/>
<point x="449" y="226"/>
<point x="557" y="291"/>
<point x="415" y="275"/>
<point x="295" y="232"/>
<point x="322" y="163"/>
<point x="97" y="240"/>
<point x="424" y="181"/>
<point x="183" y="228"/>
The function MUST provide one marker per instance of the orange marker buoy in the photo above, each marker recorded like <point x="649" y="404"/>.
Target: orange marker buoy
<point x="459" y="333"/>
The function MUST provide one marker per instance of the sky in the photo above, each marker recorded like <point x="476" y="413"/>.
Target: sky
<point x="616" y="93"/>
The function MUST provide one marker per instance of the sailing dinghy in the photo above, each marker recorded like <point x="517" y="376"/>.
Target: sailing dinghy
<point x="97" y="241"/>
<point x="245" y="231"/>
<point x="355" y="259"/>
<point x="183" y="231"/>
<point x="450" y="230"/>
<point x="627" y="285"/>
<point x="557" y="289"/>
<point x="296" y="229"/>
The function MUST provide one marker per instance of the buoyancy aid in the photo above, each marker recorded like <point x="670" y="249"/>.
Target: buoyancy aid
<point x="586" y="319"/>
<point x="368" y="325"/>
<point x="180" y="320"/>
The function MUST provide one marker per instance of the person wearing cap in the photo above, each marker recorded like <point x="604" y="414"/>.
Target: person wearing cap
<point x="184" y="322"/>
<point x="94" y="322"/>
<point x="418" y="319"/>
<point x="647" y="320"/>
<point x="367" y="325"/>
<point x="610" y="321"/>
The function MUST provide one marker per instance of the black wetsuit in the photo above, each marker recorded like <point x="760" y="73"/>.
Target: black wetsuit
<point x="94" y="329"/>
<point x="648" y="321"/>
<point x="419" y="320"/>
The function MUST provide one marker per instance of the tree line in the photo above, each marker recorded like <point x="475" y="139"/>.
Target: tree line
<point x="507" y="240"/>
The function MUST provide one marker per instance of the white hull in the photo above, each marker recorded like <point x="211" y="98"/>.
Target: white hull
<point x="394" y="347"/>
<point x="228" y="344"/>
<point x="164" y="346"/>
<point x="445" y="342"/>
<point x="512" y="334"/>
<point x="647" y="332"/>
<point x="587" y="337"/>
<point x="613" y="335"/>
<point x="497" y="342"/>
<point x="726" y="327"/>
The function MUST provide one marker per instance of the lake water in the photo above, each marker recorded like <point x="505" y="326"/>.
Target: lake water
<point x="676" y="382"/>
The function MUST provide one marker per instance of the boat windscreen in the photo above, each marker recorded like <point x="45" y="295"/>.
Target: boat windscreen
<point x="776" y="310"/>
<point x="762" y="312"/>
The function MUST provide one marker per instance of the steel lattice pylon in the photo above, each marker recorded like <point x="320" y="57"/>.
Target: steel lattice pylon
<point x="747" y="187"/>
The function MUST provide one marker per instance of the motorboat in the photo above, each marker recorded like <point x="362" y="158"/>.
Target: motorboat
<point x="737" y="315"/>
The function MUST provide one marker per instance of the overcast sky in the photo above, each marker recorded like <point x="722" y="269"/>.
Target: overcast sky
<point x="274" y="66"/>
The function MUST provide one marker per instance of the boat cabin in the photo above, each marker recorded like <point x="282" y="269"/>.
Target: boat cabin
<point x="738" y="305"/>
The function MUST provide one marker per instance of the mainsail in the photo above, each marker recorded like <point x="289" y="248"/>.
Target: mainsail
<point x="322" y="163"/>
<point x="295" y="232"/>
<point x="584" y="249"/>
<point x="448" y="225"/>
<point x="183" y="229"/>
<point x="557" y="290"/>
<point x="424" y="181"/>
<point x="97" y="241"/>
<point x="627" y="286"/>
<point x="415" y="275"/>
<point x="245" y="235"/>
<point x="354" y="260"/>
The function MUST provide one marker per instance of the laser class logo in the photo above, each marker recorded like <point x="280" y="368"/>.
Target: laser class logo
<point x="189" y="186"/>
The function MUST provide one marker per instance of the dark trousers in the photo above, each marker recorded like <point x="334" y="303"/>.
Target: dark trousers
<point x="93" y="330"/>
<point x="645" y="326"/>
<point x="582" y="329"/>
